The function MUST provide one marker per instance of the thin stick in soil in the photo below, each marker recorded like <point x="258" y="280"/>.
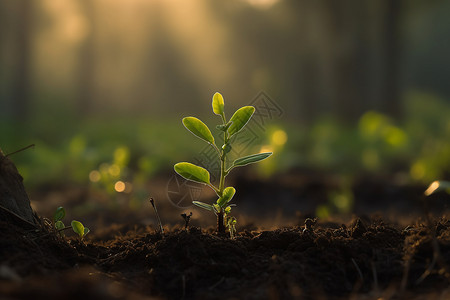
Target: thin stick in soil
<point x="157" y="215"/>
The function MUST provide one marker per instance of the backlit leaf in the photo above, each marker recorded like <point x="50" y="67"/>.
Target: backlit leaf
<point x="227" y="195"/>
<point x="199" y="129"/>
<point x="203" y="205"/>
<point x="250" y="159"/>
<point x="218" y="104"/>
<point x="78" y="228"/>
<point x="59" y="225"/>
<point x="192" y="172"/>
<point x="240" y="118"/>
<point x="60" y="213"/>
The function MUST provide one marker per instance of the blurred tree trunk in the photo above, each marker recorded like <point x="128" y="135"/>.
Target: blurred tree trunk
<point x="86" y="66"/>
<point x="22" y="82"/>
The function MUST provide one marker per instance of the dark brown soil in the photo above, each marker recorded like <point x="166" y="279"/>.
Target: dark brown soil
<point x="366" y="259"/>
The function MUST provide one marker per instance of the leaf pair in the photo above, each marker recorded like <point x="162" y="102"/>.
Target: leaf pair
<point x="201" y="175"/>
<point x="236" y="123"/>
<point x="222" y="202"/>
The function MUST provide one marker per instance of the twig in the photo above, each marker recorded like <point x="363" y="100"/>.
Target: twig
<point x="20" y="150"/>
<point x="358" y="269"/>
<point x="17" y="217"/>
<point x="186" y="218"/>
<point x="428" y="270"/>
<point x="217" y="283"/>
<point x="405" y="275"/>
<point x="157" y="215"/>
<point x="375" y="277"/>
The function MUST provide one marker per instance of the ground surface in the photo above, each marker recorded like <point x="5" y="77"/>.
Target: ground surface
<point x="364" y="259"/>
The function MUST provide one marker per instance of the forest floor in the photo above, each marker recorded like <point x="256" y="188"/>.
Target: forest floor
<point x="363" y="259"/>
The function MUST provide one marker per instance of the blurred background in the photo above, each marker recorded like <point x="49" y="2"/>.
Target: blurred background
<point x="352" y="96"/>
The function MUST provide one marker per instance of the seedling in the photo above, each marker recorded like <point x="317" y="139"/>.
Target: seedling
<point x="76" y="226"/>
<point x="187" y="219"/>
<point x="222" y="206"/>
<point x="79" y="229"/>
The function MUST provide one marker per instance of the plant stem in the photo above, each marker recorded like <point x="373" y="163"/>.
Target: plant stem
<point x="220" y="224"/>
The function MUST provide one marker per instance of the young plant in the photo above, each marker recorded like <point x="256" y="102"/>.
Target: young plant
<point x="79" y="229"/>
<point x="222" y="206"/>
<point x="76" y="226"/>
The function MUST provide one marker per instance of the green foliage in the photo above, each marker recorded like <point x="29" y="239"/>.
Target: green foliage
<point x="60" y="213"/>
<point x="198" y="174"/>
<point x="77" y="226"/>
<point x="203" y="205"/>
<point x="251" y="159"/>
<point x="218" y="105"/>
<point x="79" y="229"/>
<point x="192" y="172"/>
<point x="199" y="129"/>
<point x="239" y="119"/>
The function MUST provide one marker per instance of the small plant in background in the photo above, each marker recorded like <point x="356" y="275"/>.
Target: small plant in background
<point x="76" y="226"/>
<point x="187" y="219"/>
<point x="222" y="206"/>
<point x="79" y="229"/>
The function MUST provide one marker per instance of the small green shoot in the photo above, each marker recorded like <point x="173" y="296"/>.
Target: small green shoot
<point x="79" y="229"/>
<point x="76" y="226"/>
<point x="222" y="206"/>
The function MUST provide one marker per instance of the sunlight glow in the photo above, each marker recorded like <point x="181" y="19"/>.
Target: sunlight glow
<point x="95" y="176"/>
<point x="120" y="186"/>
<point x="432" y="188"/>
<point x="266" y="148"/>
<point x="262" y="3"/>
<point x="114" y="170"/>
<point x="279" y="137"/>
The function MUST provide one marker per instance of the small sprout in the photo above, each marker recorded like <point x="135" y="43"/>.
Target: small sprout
<point x="187" y="219"/>
<point x="231" y="226"/>
<point x="309" y="224"/>
<point x="195" y="173"/>
<point x="59" y="214"/>
<point x="79" y="229"/>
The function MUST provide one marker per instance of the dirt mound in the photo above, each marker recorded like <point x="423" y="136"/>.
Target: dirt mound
<point x="361" y="260"/>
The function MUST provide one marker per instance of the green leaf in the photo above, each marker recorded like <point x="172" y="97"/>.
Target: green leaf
<point x="60" y="213"/>
<point x="227" y="210"/>
<point x="227" y="195"/>
<point x="218" y="104"/>
<point x="250" y="159"/>
<point x="203" y="205"/>
<point x="59" y="225"/>
<point x="78" y="228"/>
<point x="86" y="230"/>
<point x="192" y="172"/>
<point x="438" y="186"/>
<point x="240" y="118"/>
<point x="199" y="129"/>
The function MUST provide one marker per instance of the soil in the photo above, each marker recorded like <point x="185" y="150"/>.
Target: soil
<point x="363" y="259"/>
